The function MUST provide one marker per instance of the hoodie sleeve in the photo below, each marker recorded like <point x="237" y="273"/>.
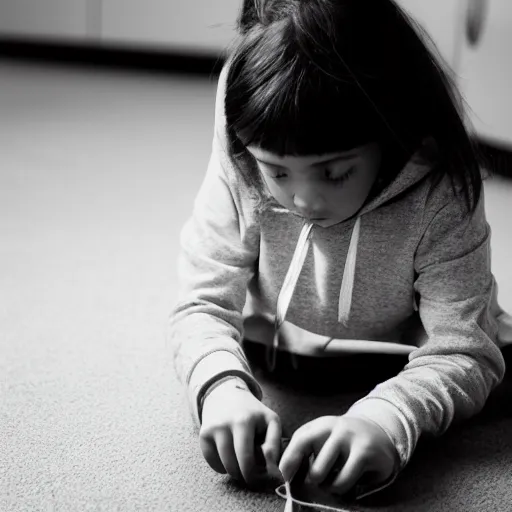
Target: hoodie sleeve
<point x="450" y="376"/>
<point x="219" y="250"/>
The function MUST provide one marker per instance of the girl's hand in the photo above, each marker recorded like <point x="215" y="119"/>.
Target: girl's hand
<point x="345" y="450"/>
<point x="236" y="428"/>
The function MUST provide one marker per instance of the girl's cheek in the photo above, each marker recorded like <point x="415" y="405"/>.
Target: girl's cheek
<point x="277" y="192"/>
<point x="282" y="197"/>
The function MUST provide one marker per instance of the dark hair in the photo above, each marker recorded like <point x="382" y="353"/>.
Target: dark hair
<point x="318" y="76"/>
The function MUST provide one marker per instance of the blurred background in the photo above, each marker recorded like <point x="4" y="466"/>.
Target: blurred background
<point x="106" y="118"/>
<point x="473" y="37"/>
<point x="192" y="26"/>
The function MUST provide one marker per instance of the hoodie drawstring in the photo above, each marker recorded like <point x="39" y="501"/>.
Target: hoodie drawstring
<point x="347" y="284"/>
<point x="289" y="284"/>
<point x="292" y="277"/>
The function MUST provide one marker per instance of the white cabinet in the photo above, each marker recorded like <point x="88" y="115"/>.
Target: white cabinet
<point x="485" y="72"/>
<point x="207" y="26"/>
<point x="189" y="25"/>
<point x="53" y="19"/>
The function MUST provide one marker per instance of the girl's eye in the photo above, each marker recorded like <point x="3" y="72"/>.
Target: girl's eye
<point x="273" y="173"/>
<point x="339" y="179"/>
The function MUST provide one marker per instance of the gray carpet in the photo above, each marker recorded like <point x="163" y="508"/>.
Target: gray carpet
<point x="97" y="176"/>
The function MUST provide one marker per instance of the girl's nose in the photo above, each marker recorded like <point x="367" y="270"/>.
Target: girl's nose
<point x="308" y="203"/>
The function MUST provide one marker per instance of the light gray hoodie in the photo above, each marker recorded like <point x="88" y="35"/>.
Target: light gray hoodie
<point x="410" y="274"/>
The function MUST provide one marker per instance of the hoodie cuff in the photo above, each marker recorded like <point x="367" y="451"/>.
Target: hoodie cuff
<point x="391" y="419"/>
<point x="211" y="368"/>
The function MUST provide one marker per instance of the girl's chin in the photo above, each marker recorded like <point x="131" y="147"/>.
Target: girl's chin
<point x="327" y="223"/>
<point x="323" y="222"/>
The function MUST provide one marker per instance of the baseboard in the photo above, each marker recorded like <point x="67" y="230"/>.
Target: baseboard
<point x="83" y="54"/>
<point x="499" y="158"/>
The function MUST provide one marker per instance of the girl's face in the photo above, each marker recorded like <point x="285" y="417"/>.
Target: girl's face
<point x="325" y="189"/>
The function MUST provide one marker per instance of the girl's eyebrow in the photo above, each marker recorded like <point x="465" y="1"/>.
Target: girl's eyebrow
<point x="336" y="159"/>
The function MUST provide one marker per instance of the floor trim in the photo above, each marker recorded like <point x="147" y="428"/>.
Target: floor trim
<point x="154" y="60"/>
<point x="499" y="158"/>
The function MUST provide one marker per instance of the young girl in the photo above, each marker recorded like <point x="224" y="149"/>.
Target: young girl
<point x="341" y="213"/>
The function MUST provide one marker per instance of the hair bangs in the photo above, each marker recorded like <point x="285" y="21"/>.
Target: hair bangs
<point x="288" y="105"/>
<point x="296" y="120"/>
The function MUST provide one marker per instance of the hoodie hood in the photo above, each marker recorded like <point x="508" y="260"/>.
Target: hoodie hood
<point x="412" y="173"/>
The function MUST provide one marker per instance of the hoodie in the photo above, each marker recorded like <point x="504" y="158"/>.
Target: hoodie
<point x="409" y="274"/>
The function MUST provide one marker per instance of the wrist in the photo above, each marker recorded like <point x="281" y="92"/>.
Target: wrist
<point x="229" y="382"/>
<point x="390" y="419"/>
<point x="249" y="381"/>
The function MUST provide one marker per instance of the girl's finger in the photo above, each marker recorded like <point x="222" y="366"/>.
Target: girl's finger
<point x="300" y="447"/>
<point x="272" y="446"/>
<point x="243" y="443"/>
<point x="326" y="459"/>
<point x="211" y="455"/>
<point x="350" y="473"/>
<point x="227" y="455"/>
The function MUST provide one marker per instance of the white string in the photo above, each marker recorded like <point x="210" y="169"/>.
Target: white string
<point x="347" y="283"/>
<point x="292" y="276"/>
<point x="289" y="500"/>
<point x="285" y="295"/>
<point x="287" y="495"/>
